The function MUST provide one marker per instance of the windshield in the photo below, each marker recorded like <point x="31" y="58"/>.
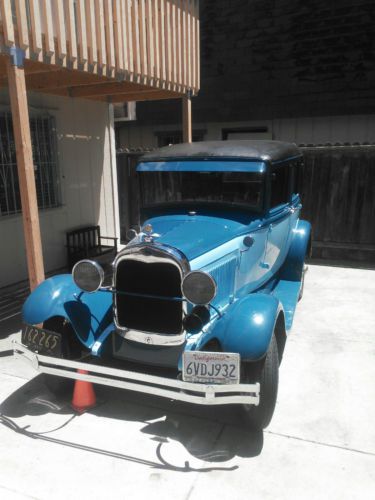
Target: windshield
<point x="229" y="188"/>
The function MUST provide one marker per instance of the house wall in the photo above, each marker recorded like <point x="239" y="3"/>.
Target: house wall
<point x="265" y="59"/>
<point x="87" y="174"/>
<point x="304" y="130"/>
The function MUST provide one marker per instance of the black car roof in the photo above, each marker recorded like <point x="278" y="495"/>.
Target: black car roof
<point x="273" y="151"/>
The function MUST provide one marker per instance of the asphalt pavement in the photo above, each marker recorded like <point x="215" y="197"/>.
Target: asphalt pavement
<point x="320" y="443"/>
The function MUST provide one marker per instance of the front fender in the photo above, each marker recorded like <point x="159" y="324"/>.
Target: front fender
<point x="247" y="326"/>
<point x="88" y="313"/>
<point x="293" y="266"/>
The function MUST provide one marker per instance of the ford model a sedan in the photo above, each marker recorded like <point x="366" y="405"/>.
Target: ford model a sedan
<point x="204" y="294"/>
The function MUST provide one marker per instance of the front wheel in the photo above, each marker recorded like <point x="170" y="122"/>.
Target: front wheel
<point x="266" y="372"/>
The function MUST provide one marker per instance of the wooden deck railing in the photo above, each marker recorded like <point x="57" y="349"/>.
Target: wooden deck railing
<point x="151" y="42"/>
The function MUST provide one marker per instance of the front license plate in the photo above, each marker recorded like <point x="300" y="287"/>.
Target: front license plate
<point x="41" y="340"/>
<point x="211" y="367"/>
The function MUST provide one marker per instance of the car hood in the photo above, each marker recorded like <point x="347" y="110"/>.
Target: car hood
<point x="195" y="235"/>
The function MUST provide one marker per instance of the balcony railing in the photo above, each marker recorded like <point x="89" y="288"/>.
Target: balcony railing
<point x="149" y="42"/>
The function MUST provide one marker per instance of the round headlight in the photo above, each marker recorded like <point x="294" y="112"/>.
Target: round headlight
<point x="199" y="288"/>
<point x="88" y="275"/>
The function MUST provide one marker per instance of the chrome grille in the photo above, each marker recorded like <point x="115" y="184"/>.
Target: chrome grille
<point x="148" y="296"/>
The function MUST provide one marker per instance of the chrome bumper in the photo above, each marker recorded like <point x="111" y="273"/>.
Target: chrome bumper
<point x="189" y="392"/>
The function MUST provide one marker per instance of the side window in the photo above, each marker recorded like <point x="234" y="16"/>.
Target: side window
<point x="279" y="185"/>
<point x="297" y="177"/>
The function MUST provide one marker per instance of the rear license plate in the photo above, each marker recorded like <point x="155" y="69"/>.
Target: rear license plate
<point x="41" y="340"/>
<point x="211" y="367"/>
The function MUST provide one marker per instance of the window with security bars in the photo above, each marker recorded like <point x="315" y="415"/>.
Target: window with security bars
<point x="43" y="141"/>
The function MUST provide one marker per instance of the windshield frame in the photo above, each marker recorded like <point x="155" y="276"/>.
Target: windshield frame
<point x="206" y="167"/>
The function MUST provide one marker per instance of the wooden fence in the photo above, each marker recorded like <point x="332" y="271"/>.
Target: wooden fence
<point x="337" y="187"/>
<point x="152" y="42"/>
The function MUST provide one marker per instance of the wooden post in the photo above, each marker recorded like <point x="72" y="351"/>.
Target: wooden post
<point x="22" y="139"/>
<point x="186" y="119"/>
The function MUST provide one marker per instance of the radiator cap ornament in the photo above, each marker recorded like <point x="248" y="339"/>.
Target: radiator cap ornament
<point x="148" y="236"/>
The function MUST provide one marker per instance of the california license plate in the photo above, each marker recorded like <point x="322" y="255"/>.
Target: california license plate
<point x="41" y="340"/>
<point x="211" y="367"/>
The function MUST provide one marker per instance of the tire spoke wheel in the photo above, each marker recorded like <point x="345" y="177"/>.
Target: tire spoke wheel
<point x="266" y="372"/>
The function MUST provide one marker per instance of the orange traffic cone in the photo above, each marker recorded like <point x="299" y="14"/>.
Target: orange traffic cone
<point x="83" y="395"/>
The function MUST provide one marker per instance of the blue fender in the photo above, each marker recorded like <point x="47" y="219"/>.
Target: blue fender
<point x="293" y="265"/>
<point x="89" y="313"/>
<point x="246" y="327"/>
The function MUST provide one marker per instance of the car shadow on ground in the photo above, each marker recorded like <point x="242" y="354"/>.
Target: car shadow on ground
<point x="11" y="300"/>
<point x="212" y="434"/>
<point x="10" y="325"/>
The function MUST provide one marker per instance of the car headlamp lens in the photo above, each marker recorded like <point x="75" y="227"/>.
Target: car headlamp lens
<point x="88" y="275"/>
<point x="199" y="288"/>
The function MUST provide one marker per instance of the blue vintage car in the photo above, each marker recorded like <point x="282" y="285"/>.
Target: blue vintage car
<point x="201" y="298"/>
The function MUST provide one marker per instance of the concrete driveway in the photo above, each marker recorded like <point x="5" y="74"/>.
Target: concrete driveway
<point x="320" y="444"/>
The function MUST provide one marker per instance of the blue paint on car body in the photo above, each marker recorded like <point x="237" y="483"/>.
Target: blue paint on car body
<point x="201" y="166"/>
<point x="89" y="313"/>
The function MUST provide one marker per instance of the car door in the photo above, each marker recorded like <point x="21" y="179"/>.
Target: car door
<point x="279" y="217"/>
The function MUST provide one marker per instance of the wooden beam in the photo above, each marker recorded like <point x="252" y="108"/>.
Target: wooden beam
<point x="142" y="38"/>
<point x="7" y="21"/>
<point x="136" y="39"/>
<point x="82" y="33"/>
<point x="39" y="67"/>
<point x="60" y="79"/>
<point x="150" y="41"/>
<point x="188" y="45"/>
<point x="178" y="35"/>
<point x="109" y="39"/>
<point x="91" y="34"/>
<point x="162" y="41"/>
<point x="22" y="139"/>
<point x="118" y="36"/>
<point x="186" y="119"/>
<point x="48" y="26"/>
<point x="173" y="29"/>
<point x="197" y="47"/>
<point x="37" y="71"/>
<point x="23" y="35"/>
<point x="100" y="34"/>
<point x="168" y="48"/>
<point x="36" y="33"/>
<point x="61" y="30"/>
<point x="71" y="31"/>
<point x="156" y="95"/>
<point x="194" y="44"/>
<point x="107" y="89"/>
<point x="129" y="39"/>
<point x="156" y="38"/>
